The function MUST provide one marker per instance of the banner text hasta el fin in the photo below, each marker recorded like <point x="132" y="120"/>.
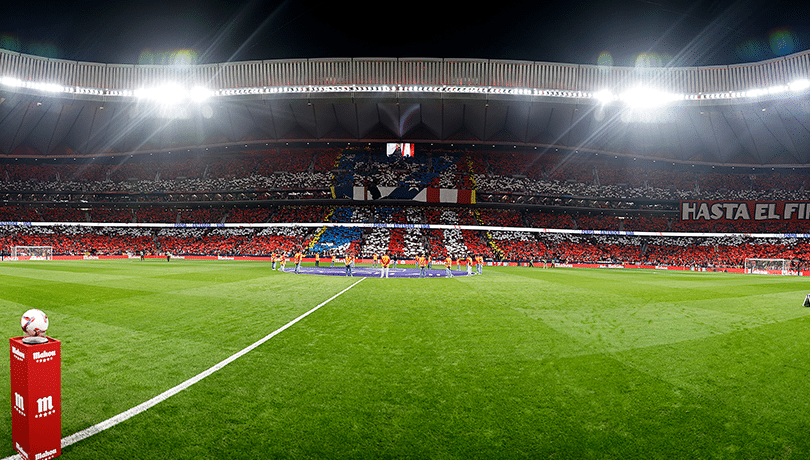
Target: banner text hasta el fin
<point x="755" y="211"/>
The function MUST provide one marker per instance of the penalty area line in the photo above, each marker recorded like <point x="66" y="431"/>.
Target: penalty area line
<point x="123" y="416"/>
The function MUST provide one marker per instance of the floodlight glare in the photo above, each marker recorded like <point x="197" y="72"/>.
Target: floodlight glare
<point x="799" y="85"/>
<point x="169" y="93"/>
<point x="756" y="92"/>
<point x="648" y="97"/>
<point x="49" y="87"/>
<point x="173" y="94"/>
<point x="199" y="94"/>
<point x="11" y="81"/>
<point x="605" y="96"/>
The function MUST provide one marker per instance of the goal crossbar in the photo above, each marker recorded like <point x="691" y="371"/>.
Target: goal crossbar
<point x="32" y="252"/>
<point x="768" y="266"/>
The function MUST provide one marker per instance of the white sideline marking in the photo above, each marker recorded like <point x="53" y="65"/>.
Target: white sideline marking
<point x="123" y="416"/>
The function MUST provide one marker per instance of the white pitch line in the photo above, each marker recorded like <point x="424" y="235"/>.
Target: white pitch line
<point x="123" y="416"/>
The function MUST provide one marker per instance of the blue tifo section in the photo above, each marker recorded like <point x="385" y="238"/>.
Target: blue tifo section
<point x="408" y="187"/>
<point x="340" y="270"/>
<point x="342" y="215"/>
<point x="334" y="237"/>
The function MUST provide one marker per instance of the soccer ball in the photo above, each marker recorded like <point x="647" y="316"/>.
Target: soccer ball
<point x="34" y="322"/>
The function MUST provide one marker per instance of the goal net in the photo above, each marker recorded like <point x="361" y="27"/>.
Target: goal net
<point x="32" y="252"/>
<point x="768" y="267"/>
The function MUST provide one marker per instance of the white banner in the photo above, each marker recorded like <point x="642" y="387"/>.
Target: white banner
<point x="382" y="225"/>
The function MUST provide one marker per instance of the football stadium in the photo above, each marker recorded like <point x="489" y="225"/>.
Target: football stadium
<point x="406" y="258"/>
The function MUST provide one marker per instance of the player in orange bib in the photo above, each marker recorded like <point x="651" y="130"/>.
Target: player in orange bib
<point x="297" y="259"/>
<point x="422" y="262"/>
<point x="469" y="265"/>
<point x="386" y="264"/>
<point x="349" y="261"/>
<point x="448" y="266"/>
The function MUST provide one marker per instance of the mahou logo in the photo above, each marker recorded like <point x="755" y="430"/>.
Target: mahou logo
<point x="19" y="404"/>
<point x="45" y="455"/>
<point x="20" y="355"/>
<point x="44" y="356"/>
<point x="44" y="407"/>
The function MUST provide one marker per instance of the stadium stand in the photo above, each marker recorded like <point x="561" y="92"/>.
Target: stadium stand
<point x="515" y="189"/>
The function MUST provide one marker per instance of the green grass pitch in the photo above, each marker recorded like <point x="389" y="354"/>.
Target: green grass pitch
<point x="517" y="363"/>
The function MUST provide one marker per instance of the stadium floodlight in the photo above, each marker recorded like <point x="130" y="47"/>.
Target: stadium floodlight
<point x="200" y="94"/>
<point x="170" y="93"/>
<point x="799" y="85"/>
<point x="648" y="97"/>
<point x="756" y="92"/>
<point x="11" y="81"/>
<point x="173" y="94"/>
<point x="167" y="94"/>
<point x="795" y="86"/>
<point x="38" y="86"/>
<point x="604" y="96"/>
<point x="49" y="87"/>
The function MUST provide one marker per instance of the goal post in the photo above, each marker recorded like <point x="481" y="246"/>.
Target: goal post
<point x="768" y="266"/>
<point x="32" y="252"/>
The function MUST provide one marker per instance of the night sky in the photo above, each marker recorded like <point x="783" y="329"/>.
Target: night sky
<point x="618" y="32"/>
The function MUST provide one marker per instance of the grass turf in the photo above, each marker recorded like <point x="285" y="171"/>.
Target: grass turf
<point x="517" y="363"/>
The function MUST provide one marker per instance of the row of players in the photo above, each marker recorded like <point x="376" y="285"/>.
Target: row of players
<point x="384" y="262"/>
<point x="726" y="251"/>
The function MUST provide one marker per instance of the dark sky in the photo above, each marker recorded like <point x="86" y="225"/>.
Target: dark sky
<point x="624" y="32"/>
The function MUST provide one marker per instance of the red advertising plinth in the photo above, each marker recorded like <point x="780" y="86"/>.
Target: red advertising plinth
<point x="36" y="398"/>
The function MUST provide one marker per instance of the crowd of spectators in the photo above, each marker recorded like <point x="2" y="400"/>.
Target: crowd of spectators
<point x="150" y="190"/>
<point x="523" y="246"/>
<point x="310" y="173"/>
<point x="705" y="252"/>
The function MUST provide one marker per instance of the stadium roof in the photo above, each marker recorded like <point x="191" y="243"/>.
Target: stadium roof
<point x="756" y="131"/>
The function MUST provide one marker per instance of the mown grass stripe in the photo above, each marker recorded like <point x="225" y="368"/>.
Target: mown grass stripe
<point x="123" y="416"/>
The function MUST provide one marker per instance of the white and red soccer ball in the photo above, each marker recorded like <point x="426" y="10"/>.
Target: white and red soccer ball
<point x="34" y="322"/>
